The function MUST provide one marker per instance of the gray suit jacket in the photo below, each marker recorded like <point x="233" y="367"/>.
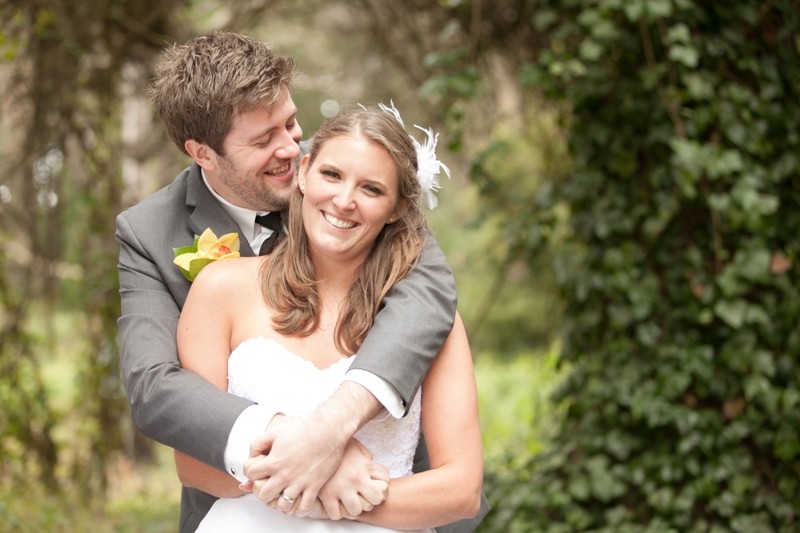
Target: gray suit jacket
<point x="184" y="411"/>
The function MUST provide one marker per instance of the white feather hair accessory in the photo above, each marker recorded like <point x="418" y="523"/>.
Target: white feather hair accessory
<point x="428" y="167"/>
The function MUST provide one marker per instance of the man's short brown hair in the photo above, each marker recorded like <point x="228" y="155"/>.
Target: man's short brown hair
<point x="203" y="84"/>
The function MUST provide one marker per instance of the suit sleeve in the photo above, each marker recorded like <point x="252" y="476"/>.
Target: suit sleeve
<point x="170" y="405"/>
<point x="416" y="318"/>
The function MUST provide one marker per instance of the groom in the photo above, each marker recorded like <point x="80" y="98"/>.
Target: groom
<point x="225" y="101"/>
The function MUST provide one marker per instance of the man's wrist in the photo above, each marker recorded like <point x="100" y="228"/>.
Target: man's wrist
<point x="383" y="391"/>
<point x="277" y="418"/>
<point x="344" y="413"/>
<point x="251" y="422"/>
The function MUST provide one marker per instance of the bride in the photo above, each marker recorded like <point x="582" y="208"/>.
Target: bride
<point x="280" y="330"/>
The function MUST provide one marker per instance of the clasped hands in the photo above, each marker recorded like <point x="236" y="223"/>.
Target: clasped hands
<point x="300" y="468"/>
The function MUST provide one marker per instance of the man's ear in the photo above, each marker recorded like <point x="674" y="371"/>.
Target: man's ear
<point x="202" y="154"/>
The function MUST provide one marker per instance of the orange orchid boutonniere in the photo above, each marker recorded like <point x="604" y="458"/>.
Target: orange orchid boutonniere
<point x="205" y="249"/>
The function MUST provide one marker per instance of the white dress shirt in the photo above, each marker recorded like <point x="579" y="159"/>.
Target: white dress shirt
<point x="254" y="420"/>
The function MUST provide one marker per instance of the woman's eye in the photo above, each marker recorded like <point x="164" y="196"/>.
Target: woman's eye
<point x="372" y="189"/>
<point x="330" y="174"/>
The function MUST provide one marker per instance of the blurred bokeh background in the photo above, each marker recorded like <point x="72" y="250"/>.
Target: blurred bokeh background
<point x="622" y="220"/>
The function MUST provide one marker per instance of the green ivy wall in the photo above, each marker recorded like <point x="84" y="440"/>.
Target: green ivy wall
<point x="680" y="272"/>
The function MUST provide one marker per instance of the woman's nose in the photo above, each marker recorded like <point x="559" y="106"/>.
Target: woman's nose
<point x="344" y="198"/>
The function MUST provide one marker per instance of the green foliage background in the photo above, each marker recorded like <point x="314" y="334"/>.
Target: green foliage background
<point x="679" y="271"/>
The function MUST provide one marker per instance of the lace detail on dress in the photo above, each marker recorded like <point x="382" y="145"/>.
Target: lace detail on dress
<point x="266" y="372"/>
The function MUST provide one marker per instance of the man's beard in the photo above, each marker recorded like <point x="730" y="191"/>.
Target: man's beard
<point x="254" y="193"/>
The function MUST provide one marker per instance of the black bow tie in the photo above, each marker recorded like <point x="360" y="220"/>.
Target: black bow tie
<point x="270" y="221"/>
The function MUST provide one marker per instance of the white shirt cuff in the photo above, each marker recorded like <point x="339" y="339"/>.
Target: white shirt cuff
<point x="252" y="422"/>
<point x="383" y="391"/>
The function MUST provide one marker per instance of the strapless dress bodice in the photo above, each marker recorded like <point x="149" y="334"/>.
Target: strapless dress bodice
<point x="265" y="371"/>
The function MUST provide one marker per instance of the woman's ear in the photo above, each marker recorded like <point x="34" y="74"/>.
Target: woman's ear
<point x="301" y="174"/>
<point x="202" y="154"/>
<point x="402" y="207"/>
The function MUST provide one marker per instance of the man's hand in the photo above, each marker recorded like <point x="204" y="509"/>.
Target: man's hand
<point x="357" y="486"/>
<point x="304" y="453"/>
<point x="302" y="456"/>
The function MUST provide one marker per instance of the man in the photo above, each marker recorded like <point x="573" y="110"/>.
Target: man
<point x="225" y="101"/>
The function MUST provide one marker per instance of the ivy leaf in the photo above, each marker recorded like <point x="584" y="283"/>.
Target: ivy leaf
<point x="732" y="312"/>
<point x="685" y="54"/>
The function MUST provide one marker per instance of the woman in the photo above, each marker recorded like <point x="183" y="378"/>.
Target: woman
<point x="282" y="329"/>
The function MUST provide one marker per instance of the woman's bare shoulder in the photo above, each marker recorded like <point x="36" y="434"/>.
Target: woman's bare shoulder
<point x="228" y="276"/>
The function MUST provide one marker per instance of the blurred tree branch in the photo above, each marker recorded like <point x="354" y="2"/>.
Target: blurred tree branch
<point x="63" y="106"/>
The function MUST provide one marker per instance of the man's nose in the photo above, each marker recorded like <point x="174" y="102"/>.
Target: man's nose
<point x="289" y="148"/>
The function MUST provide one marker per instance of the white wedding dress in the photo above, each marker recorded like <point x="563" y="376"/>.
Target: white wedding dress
<point x="264" y="371"/>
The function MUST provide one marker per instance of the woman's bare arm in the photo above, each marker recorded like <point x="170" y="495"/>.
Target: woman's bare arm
<point x="204" y="333"/>
<point x="451" y="489"/>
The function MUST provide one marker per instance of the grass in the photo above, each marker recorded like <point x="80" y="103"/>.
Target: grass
<point x="142" y="499"/>
<point x="516" y="415"/>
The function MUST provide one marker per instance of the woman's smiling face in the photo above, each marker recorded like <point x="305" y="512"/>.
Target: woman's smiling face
<point x="351" y="192"/>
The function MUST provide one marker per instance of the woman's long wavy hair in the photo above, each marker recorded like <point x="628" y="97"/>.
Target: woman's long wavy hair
<point x="289" y="282"/>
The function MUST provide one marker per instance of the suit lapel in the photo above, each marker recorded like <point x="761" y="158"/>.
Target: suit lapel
<point x="208" y="213"/>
